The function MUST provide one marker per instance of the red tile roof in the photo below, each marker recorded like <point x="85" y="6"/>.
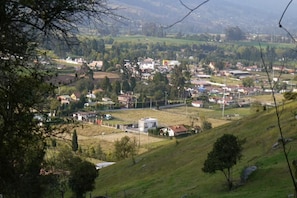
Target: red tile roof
<point x="178" y="128"/>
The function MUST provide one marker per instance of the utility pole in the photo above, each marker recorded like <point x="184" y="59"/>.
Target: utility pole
<point x="135" y="105"/>
<point x="165" y="102"/>
<point x="223" y="109"/>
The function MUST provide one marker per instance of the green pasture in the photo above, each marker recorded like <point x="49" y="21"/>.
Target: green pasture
<point x="180" y="41"/>
<point x="148" y="40"/>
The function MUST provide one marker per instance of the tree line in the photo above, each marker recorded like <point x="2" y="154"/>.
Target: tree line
<point x="113" y="52"/>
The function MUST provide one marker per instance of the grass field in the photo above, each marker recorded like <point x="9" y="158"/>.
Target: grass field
<point x="268" y="98"/>
<point x="168" y="117"/>
<point x="148" y="40"/>
<point x="168" y="40"/>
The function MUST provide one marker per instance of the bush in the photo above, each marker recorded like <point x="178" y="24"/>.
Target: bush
<point x="206" y="125"/>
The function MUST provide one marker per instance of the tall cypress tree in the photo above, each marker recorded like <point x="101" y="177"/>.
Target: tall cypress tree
<point x="74" y="141"/>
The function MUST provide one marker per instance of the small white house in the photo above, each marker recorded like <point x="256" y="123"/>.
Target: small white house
<point x="91" y="96"/>
<point x="144" y="124"/>
<point x="198" y="104"/>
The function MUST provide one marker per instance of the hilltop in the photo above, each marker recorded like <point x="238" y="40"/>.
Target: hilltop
<point x="174" y="170"/>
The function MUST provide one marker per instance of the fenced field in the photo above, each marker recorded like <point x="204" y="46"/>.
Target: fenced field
<point x="90" y="135"/>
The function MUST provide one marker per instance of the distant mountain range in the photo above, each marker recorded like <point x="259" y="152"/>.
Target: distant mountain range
<point x="254" y="16"/>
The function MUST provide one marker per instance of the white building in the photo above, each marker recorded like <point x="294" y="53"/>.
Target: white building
<point x="147" y="64"/>
<point x="85" y="116"/>
<point x="96" y="65"/>
<point x="198" y="104"/>
<point x="144" y="124"/>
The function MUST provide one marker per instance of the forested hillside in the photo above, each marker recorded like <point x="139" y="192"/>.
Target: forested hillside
<point x="212" y="17"/>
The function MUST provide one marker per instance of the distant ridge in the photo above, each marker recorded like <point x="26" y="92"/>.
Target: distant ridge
<point x="252" y="16"/>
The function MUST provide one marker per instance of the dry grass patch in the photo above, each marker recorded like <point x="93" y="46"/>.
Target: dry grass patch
<point x="268" y="98"/>
<point x="164" y="118"/>
<point x="101" y="75"/>
<point x="89" y="130"/>
<point x="106" y="142"/>
<point x="217" y="122"/>
<point x="91" y="135"/>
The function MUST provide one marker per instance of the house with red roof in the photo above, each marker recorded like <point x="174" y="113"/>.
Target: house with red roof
<point x="175" y="130"/>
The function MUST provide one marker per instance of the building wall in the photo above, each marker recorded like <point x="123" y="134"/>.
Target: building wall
<point x="145" y="124"/>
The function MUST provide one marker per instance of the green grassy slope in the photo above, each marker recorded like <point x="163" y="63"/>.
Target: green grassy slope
<point x="174" y="170"/>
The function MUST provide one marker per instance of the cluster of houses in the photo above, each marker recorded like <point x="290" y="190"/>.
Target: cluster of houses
<point x="146" y="67"/>
<point x="222" y="94"/>
<point x="143" y="125"/>
<point x="126" y="100"/>
<point x="146" y="124"/>
<point x="218" y="93"/>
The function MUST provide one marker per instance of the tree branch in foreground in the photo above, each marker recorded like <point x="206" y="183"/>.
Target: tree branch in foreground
<point x="277" y="113"/>
<point x="189" y="12"/>
<point x="281" y="20"/>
